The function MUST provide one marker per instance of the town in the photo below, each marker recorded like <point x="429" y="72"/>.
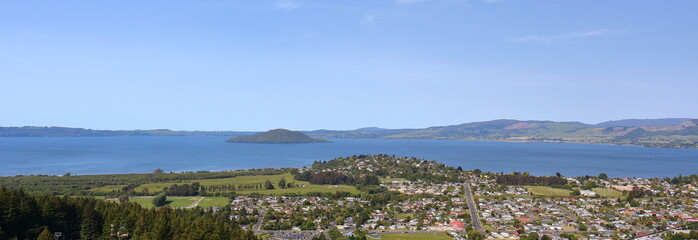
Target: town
<point x="584" y="208"/>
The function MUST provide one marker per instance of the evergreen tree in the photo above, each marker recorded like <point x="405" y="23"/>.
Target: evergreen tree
<point x="268" y="185"/>
<point x="603" y="176"/>
<point x="91" y="225"/>
<point x="282" y="183"/>
<point x="160" y="199"/>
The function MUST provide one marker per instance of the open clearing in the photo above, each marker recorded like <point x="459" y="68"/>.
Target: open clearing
<point x="108" y="188"/>
<point x="548" y="191"/>
<point x="214" y="202"/>
<point x="416" y="236"/>
<point x="174" y="202"/>
<point x="607" y="192"/>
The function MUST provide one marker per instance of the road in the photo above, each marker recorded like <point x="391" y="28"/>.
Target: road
<point x="194" y="204"/>
<point x="260" y="218"/>
<point x="474" y="215"/>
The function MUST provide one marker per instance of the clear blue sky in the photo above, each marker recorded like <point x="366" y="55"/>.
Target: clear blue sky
<point x="257" y="65"/>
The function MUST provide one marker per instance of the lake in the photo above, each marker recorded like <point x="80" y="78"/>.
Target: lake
<point x="102" y="155"/>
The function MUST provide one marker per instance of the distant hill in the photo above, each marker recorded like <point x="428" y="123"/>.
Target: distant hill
<point x="679" y="134"/>
<point x="666" y="132"/>
<point x="643" y="122"/>
<point x="372" y="132"/>
<point x="497" y="129"/>
<point x="82" y="132"/>
<point x="277" y="136"/>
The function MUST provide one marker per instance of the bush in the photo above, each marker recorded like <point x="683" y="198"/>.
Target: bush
<point x="160" y="199"/>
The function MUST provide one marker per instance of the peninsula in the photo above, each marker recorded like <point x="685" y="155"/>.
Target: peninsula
<point x="277" y="136"/>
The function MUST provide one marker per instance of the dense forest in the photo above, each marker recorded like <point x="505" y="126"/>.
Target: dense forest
<point x="26" y="216"/>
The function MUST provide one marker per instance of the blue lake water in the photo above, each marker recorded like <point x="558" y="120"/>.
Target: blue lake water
<point x="100" y="155"/>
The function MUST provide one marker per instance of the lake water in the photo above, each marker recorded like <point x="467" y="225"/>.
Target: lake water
<point x="100" y="155"/>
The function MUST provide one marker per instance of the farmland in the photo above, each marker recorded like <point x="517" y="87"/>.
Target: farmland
<point x="300" y="187"/>
<point x="548" y="191"/>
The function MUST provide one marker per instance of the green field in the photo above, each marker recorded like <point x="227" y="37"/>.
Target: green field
<point x="607" y="192"/>
<point x="108" y="188"/>
<point x="174" y="202"/>
<point x="548" y="191"/>
<point x="302" y="186"/>
<point x="416" y="236"/>
<point x="214" y="202"/>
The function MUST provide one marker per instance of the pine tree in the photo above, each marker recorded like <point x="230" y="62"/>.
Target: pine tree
<point x="160" y="199"/>
<point x="91" y="225"/>
<point x="282" y="183"/>
<point x="268" y="185"/>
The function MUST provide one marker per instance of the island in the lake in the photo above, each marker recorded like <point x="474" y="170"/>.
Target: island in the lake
<point x="277" y="136"/>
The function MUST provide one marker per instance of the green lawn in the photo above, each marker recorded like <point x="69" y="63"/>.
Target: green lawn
<point x="174" y="202"/>
<point x="548" y="191"/>
<point x="108" y="188"/>
<point x="214" y="202"/>
<point x="607" y="192"/>
<point x="302" y="186"/>
<point x="416" y="236"/>
<point x="404" y="215"/>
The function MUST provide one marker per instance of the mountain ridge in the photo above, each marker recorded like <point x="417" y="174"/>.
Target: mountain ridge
<point x="643" y="122"/>
<point x="684" y="135"/>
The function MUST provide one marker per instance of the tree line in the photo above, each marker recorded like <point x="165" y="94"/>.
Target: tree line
<point x="183" y="190"/>
<point x="328" y="177"/>
<point x="530" y="180"/>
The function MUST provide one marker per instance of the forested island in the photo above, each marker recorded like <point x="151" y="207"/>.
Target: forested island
<point x="277" y="136"/>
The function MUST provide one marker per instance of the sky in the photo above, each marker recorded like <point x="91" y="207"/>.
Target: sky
<point x="343" y="64"/>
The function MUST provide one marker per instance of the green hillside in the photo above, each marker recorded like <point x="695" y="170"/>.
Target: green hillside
<point x="683" y="135"/>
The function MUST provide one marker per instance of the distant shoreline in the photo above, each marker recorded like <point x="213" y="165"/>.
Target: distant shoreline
<point x="654" y="133"/>
<point x="436" y="139"/>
